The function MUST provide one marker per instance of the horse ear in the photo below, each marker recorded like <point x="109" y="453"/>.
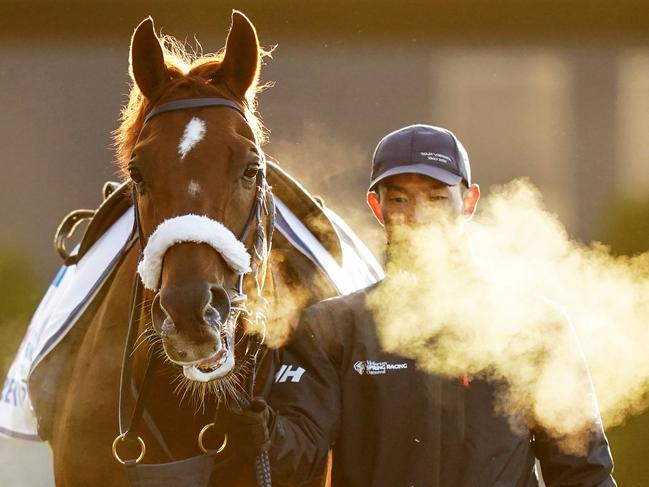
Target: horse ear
<point x="148" y="68"/>
<point x="240" y="65"/>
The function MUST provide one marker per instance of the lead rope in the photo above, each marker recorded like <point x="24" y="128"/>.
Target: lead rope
<point x="262" y="462"/>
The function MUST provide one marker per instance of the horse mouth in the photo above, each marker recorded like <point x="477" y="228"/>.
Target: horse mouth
<point x="219" y="364"/>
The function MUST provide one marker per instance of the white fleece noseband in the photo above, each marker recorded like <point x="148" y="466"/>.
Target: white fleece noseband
<point x="190" y="228"/>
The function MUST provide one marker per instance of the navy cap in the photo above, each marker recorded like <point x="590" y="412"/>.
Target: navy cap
<point x="421" y="149"/>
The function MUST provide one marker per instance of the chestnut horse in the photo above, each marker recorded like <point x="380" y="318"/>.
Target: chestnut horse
<point x="183" y="159"/>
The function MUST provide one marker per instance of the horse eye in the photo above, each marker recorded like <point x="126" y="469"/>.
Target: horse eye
<point x="136" y="175"/>
<point x="251" y="171"/>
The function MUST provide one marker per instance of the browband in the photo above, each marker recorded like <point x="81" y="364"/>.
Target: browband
<point x="194" y="103"/>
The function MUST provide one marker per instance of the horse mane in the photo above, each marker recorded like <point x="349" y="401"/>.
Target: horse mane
<point x="190" y="69"/>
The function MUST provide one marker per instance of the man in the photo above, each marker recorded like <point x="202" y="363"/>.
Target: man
<point x="387" y="421"/>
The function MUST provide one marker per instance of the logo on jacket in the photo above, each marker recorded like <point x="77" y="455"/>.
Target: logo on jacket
<point x="288" y="372"/>
<point x="360" y="367"/>
<point x="370" y="367"/>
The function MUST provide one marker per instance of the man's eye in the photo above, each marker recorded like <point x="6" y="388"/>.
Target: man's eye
<point x="398" y="199"/>
<point x="438" y="198"/>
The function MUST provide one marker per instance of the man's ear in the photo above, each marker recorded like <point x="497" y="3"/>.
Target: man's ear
<point x="375" y="206"/>
<point x="471" y="197"/>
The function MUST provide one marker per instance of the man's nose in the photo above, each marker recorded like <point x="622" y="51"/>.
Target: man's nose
<point x="421" y="213"/>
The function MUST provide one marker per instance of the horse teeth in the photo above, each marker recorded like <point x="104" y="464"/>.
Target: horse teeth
<point x="212" y="363"/>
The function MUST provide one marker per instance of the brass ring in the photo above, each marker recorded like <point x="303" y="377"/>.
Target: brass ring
<point x="200" y="439"/>
<point x="122" y="437"/>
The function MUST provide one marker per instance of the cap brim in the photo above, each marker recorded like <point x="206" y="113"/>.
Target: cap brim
<point x="434" y="172"/>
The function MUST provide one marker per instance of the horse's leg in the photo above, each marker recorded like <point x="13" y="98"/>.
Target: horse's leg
<point x="85" y="422"/>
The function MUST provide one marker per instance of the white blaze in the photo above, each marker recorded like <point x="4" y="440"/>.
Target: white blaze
<point x="193" y="188"/>
<point x="193" y="134"/>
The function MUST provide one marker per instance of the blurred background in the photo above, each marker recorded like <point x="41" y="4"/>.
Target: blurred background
<point x="555" y="91"/>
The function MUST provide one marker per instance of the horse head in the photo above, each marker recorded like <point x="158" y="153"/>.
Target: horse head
<point x="190" y="144"/>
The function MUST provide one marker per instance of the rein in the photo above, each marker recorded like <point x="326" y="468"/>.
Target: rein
<point x="197" y="470"/>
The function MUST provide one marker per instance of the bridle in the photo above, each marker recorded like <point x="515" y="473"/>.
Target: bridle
<point x="239" y="306"/>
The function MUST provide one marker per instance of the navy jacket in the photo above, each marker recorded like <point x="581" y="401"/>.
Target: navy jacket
<point x="390" y="424"/>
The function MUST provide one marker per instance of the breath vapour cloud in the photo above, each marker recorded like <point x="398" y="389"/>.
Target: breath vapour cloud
<point x="513" y="297"/>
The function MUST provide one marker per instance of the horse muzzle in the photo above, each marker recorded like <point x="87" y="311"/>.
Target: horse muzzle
<point x="193" y="317"/>
<point x="197" y="330"/>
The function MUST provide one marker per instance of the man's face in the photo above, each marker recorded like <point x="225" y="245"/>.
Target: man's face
<point x="421" y="215"/>
<point x="415" y="200"/>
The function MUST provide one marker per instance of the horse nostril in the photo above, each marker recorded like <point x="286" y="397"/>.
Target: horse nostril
<point x="211" y="315"/>
<point x="219" y="306"/>
<point x="161" y="322"/>
<point x="167" y="327"/>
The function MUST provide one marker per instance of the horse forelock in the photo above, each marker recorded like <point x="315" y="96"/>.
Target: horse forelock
<point x="190" y="71"/>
